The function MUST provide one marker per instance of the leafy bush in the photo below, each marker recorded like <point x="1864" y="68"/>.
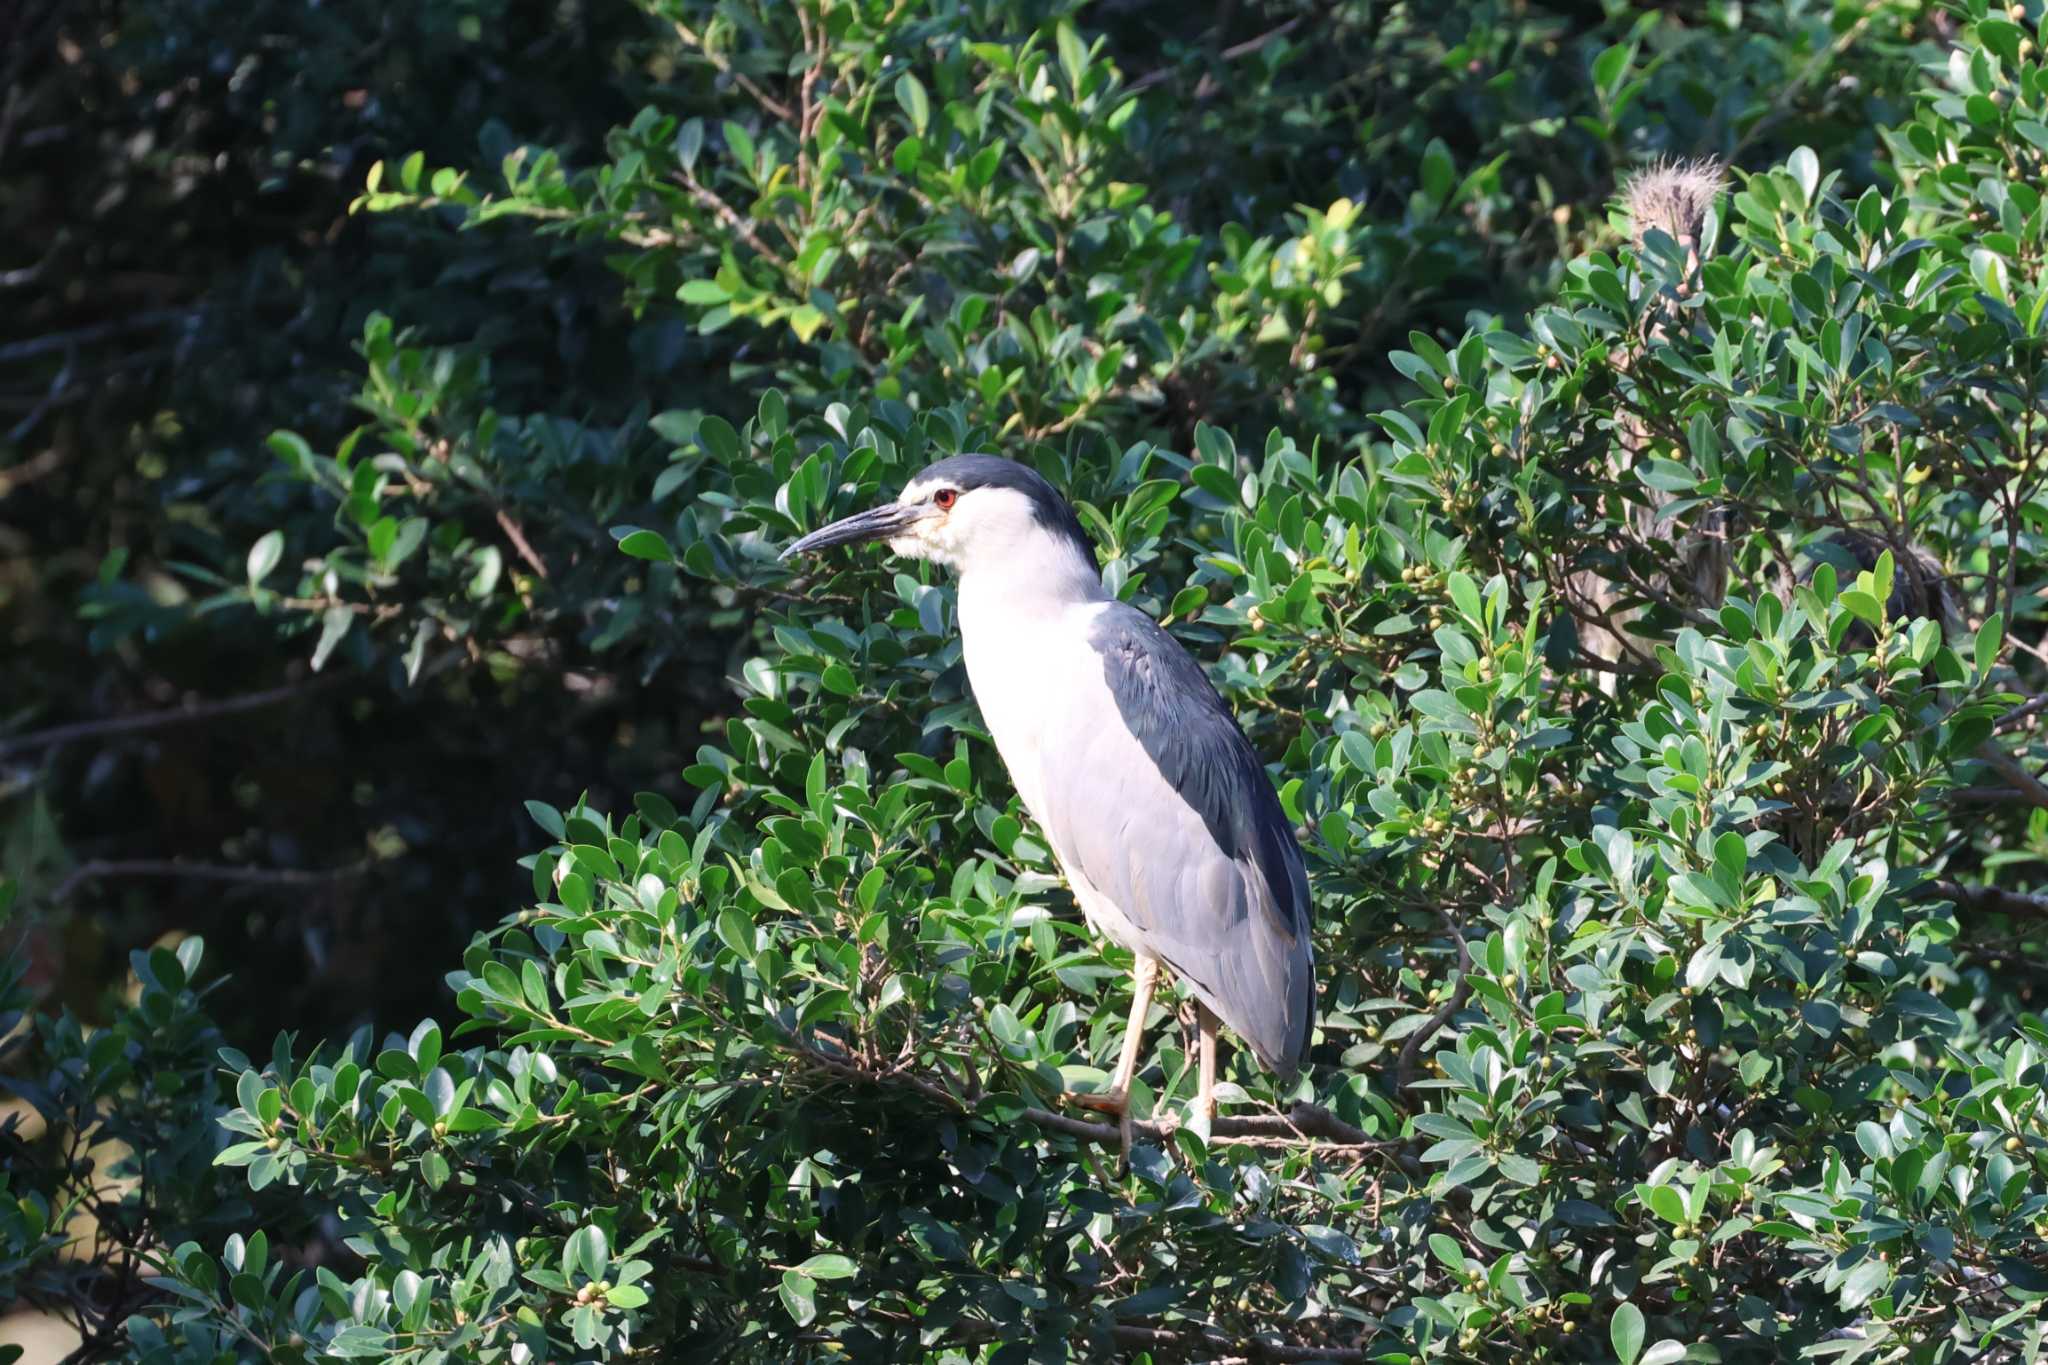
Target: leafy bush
<point x="110" y="1135"/>
<point x="189" y="165"/>
<point x="1651" y="681"/>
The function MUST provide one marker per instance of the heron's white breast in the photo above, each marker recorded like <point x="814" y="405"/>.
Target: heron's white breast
<point x="1028" y="669"/>
<point x="1041" y="688"/>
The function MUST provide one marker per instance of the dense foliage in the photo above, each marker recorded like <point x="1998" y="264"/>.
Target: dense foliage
<point x="1647" y="648"/>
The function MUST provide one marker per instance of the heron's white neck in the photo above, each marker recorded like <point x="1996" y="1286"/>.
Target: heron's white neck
<point x="1034" y="575"/>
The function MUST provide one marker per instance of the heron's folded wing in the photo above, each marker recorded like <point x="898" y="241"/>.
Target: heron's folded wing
<point x="1155" y="798"/>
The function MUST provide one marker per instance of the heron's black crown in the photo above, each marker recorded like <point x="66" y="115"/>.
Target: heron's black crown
<point x="1049" y="509"/>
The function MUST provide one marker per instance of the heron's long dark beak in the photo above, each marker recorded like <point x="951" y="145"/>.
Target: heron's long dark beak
<point x="877" y="523"/>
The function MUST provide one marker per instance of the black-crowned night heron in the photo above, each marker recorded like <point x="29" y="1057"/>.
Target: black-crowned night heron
<point x="1152" y="800"/>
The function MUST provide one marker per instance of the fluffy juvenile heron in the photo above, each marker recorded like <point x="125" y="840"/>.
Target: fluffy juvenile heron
<point x="1155" y="806"/>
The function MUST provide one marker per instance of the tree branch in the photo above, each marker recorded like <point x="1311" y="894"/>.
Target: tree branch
<point x="1303" y="1125"/>
<point x="2023" y="783"/>
<point x="1217" y="1346"/>
<point x="1990" y="899"/>
<point x="98" y="869"/>
<point x="81" y="336"/>
<point x="157" y="720"/>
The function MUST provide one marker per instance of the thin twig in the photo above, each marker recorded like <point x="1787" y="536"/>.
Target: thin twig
<point x="98" y="869"/>
<point x="156" y="720"/>
<point x="64" y="341"/>
<point x="1404" y="1070"/>
<point x="1215" y="1344"/>
<point x="1192" y="1343"/>
<point x="513" y="532"/>
<point x="730" y="216"/>
<point x="1228" y="54"/>
<point x="740" y="78"/>
<point x="2022" y="712"/>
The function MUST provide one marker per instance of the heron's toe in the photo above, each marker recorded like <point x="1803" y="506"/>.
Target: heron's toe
<point x="1104" y="1101"/>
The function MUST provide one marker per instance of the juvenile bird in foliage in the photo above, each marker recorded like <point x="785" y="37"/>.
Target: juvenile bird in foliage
<point x="1155" y="806"/>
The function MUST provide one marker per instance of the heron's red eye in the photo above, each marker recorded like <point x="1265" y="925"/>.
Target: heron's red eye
<point x="945" y="498"/>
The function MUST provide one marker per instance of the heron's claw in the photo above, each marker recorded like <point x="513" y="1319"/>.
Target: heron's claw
<point x="1117" y="1102"/>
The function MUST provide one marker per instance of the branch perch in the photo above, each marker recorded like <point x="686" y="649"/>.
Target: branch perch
<point x="1302" y="1125"/>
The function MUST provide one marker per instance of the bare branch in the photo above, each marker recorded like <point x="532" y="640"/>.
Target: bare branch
<point x="2023" y="782"/>
<point x="64" y="341"/>
<point x="517" y="535"/>
<point x="157" y="720"/>
<point x="1411" y="1051"/>
<point x="1990" y="899"/>
<point x="740" y="78"/>
<point x="1228" y="54"/>
<point x="730" y="216"/>
<point x="1305" y="1125"/>
<point x="98" y="870"/>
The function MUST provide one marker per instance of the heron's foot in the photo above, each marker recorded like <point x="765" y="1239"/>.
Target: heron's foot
<point x="1117" y="1102"/>
<point x="1102" y="1101"/>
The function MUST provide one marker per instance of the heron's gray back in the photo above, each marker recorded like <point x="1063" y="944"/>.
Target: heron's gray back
<point x="1155" y="802"/>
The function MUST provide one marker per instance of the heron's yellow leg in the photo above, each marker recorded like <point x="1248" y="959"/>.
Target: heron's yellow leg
<point x="1116" y="1100"/>
<point x="1205" y="1093"/>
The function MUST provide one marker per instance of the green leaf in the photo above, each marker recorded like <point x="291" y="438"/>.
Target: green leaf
<point x="642" y="544"/>
<point x="1990" y="639"/>
<point x="736" y="931"/>
<point x="1465" y="597"/>
<point x="264" y="555"/>
<point x="799" y="1297"/>
<point x="716" y="435"/>
<point x="1073" y="53"/>
<point x="1608" y="69"/>
<point x="1864" y="1281"/>
<point x="838" y="679"/>
<point x="547" y="817"/>
<point x="1863" y="606"/>
<point x="741" y="143"/>
<point x="335" y="624"/>
<point x="1805" y="170"/>
<point x="690" y="143"/>
<point x="588" y="1252"/>
<point x="1667" y="1203"/>
<point x="829" y="1266"/>
<point x="910" y="94"/>
<point x="291" y="447"/>
<point x="1439" y="172"/>
<point x="1626" y="1331"/>
<point x="805" y="321"/>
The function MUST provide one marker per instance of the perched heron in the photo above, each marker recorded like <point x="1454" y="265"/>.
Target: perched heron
<point x="1157" y="810"/>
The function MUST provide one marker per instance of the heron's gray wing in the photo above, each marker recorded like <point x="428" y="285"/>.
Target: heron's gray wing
<point x="1157" y="800"/>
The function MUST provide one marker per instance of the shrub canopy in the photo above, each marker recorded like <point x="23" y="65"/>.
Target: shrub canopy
<point x="1638" y="616"/>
